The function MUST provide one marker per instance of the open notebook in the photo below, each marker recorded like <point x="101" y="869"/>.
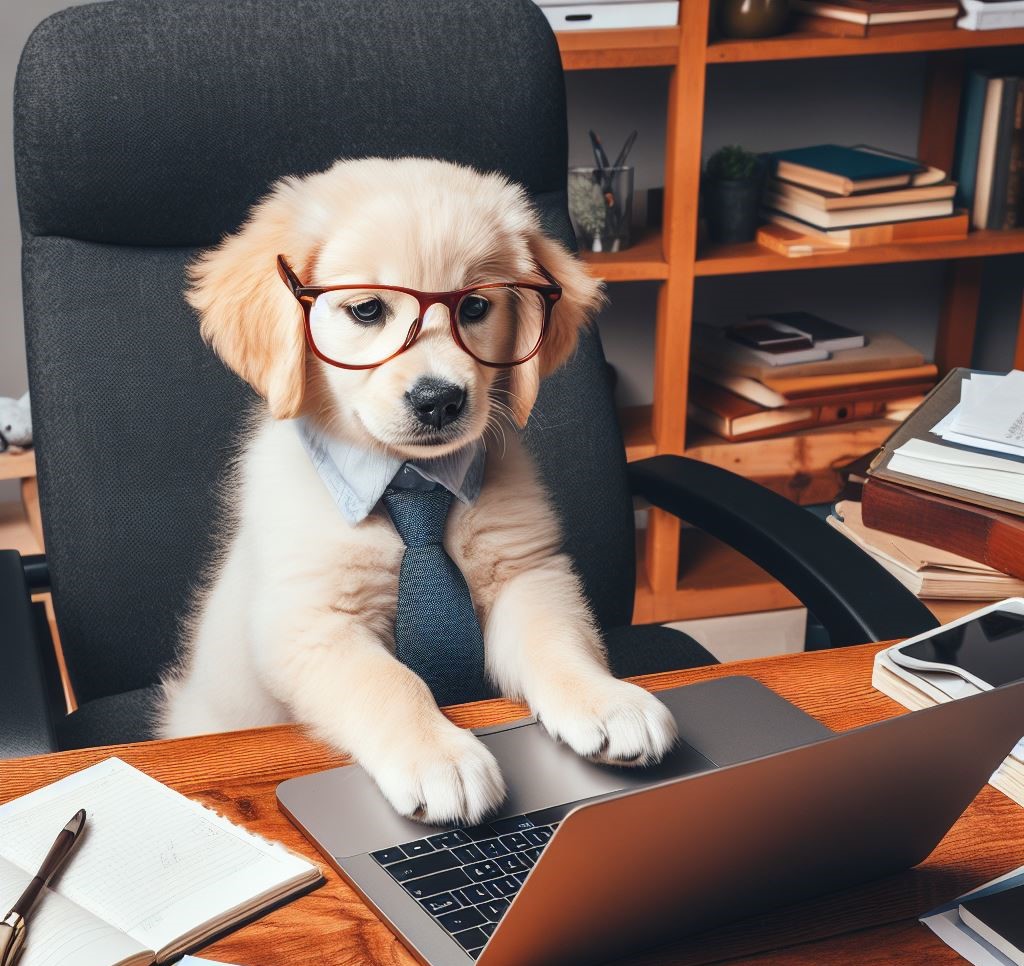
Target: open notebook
<point x="154" y="875"/>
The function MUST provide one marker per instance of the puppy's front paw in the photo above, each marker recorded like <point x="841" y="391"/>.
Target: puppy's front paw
<point x="444" y="776"/>
<point x="609" y="721"/>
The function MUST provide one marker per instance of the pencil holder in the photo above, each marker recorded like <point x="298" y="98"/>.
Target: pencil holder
<point x="601" y="207"/>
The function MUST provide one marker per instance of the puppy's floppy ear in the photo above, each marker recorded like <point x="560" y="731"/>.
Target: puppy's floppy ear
<point x="246" y="312"/>
<point x="582" y="296"/>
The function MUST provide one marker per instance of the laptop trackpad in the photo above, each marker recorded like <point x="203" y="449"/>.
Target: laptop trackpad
<point x="729" y="719"/>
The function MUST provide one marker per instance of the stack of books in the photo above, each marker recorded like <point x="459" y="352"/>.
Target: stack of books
<point x="741" y="392"/>
<point x="991" y="14"/>
<point x="874" y="18"/>
<point x="848" y="197"/>
<point x="918" y="690"/>
<point x="989" y="164"/>
<point x="944" y="498"/>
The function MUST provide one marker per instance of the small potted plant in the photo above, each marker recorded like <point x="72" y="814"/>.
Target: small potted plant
<point x="732" y="194"/>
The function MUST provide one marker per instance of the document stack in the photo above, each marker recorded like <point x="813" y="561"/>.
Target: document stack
<point x="741" y="392"/>
<point x="942" y="507"/>
<point x="851" y="197"/>
<point x="874" y="18"/>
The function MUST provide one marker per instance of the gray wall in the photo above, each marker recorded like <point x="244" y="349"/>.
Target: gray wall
<point x="762" y="106"/>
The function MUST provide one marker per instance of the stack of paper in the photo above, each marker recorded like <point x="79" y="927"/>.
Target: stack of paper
<point x="986" y="429"/>
<point x="917" y="690"/>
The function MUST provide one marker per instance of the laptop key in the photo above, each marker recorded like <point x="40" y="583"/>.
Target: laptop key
<point x="440" y="904"/>
<point x="431" y="885"/>
<point x="477" y="833"/>
<point x="514" y="824"/>
<point x="419" y="847"/>
<point x="482" y="871"/>
<point x="494" y="909"/>
<point x="473" y="894"/>
<point x="470" y="938"/>
<point x="487" y="928"/>
<point x="530" y="856"/>
<point x="448" y="840"/>
<point x="515" y="842"/>
<point x="510" y="863"/>
<point x="492" y="848"/>
<point x="507" y="886"/>
<point x="387" y="856"/>
<point x="424" y="865"/>
<point x="468" y="853"/>
<point x="474" y="953"/>
<point x="538" y="836"/>
<point x="461" y="919"/>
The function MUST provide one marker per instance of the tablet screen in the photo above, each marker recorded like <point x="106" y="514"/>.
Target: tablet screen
<point x="990" y="647"/>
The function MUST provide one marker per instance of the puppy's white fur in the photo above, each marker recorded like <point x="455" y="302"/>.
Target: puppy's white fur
<point x="297" y="620"/>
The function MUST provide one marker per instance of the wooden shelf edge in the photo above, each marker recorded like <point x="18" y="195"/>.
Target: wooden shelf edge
<point x="609" y="49"/>
<point x="643" y="261"/>
<point x="749" y="258"/>
<point x="800" y="46"/>
<point x="17" y="466"/>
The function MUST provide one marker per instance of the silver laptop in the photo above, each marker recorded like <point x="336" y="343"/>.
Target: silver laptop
<point x="760" y="805"/>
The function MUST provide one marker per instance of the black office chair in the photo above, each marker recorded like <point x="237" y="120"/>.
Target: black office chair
<point x="144" y="130"/>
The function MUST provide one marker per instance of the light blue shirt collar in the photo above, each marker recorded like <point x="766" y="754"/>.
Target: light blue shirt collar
<point x="356" y="478"/>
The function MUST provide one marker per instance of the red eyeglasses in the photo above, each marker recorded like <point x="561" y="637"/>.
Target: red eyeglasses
<point x="500" y="324"/>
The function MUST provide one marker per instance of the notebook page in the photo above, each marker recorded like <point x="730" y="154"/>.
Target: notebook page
<point x="59" y="933"/>
<point x="152" y="863"/>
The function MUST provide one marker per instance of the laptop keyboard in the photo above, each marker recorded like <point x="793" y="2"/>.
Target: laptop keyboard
<point x="465" y="878"/>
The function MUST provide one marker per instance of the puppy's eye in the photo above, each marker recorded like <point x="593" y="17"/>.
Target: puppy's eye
<point x="473" y="308"/>
<point x="367" y="312"/>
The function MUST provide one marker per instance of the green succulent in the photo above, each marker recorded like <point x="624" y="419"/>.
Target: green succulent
<point x="731" y="163"/>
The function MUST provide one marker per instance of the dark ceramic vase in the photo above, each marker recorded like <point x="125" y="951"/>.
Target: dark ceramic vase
<point x="743" y="19"/>
<point x="731" y="209"/>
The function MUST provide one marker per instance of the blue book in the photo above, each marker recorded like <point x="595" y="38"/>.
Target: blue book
<point x="965" y="165"/>
<point x="842" y="170"/>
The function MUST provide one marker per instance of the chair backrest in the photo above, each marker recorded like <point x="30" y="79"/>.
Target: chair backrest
<point x="144" y="129"/>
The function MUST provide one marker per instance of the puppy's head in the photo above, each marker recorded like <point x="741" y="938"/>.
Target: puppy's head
<point x="419" y="224"/>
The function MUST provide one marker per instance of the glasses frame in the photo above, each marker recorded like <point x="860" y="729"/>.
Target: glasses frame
<point x="306" y="295"/>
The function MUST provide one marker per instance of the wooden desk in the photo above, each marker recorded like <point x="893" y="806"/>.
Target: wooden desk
<point x="237" y="774"/>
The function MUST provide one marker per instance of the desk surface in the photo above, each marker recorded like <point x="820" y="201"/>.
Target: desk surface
<point x="237" y="773"/>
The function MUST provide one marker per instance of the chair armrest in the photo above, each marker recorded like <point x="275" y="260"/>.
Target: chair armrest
<point x="29" y="683"/>
<point x="855" y="598"/>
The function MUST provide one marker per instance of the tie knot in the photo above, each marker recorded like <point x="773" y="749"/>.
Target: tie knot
<point x="419" y="516"/>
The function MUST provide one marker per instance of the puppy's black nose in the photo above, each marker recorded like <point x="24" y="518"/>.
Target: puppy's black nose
<point x="435" y="402"/>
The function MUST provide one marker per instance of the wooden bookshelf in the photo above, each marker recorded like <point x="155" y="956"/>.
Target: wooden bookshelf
<point x="685" y="574"/>
<point x="17" y="466"/>
<point x="802" y="46"/>
<point x="751" y="257"/>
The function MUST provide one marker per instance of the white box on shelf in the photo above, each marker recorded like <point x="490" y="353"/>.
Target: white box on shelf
<point x="982" y="15"/>
<point x="608" y="14"/>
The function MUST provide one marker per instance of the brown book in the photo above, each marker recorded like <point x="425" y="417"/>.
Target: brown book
<point x="882" y="350"/>
<point x="987" y="536"/>
<point x="734" y="418"/>
<point x="795" y="244"/>
<point x="937" y="405"/>
<point x="944" y="228"/>
<point x="795" y="387"/>
<point x="826" y="201"/>
<point x="844" y="28"/>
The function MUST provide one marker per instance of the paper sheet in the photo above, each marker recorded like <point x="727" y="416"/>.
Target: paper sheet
<point x="990" y="414"/>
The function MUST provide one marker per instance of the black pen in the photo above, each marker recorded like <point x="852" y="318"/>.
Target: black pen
<point x="12" y="928"/>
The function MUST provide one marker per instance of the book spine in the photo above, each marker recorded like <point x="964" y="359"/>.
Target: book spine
<point x="1004" y="147"/>
<point x="965" y="166"/>
<point x="1011" y="210"/>
<point x="945" y="524"/>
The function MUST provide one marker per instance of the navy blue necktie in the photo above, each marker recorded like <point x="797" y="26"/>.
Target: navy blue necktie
<point x="437" y="633"/>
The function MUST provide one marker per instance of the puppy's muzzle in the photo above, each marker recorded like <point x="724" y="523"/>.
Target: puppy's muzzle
<point x="435" y="402"/>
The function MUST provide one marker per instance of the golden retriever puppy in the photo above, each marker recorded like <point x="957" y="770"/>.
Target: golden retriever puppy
<point x="297" y="619"/>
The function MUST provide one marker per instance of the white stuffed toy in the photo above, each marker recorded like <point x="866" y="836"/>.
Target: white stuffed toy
<point x="15" y="423"/>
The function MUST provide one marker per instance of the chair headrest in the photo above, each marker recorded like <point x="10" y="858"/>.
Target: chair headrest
<point x="159" y="122"/>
